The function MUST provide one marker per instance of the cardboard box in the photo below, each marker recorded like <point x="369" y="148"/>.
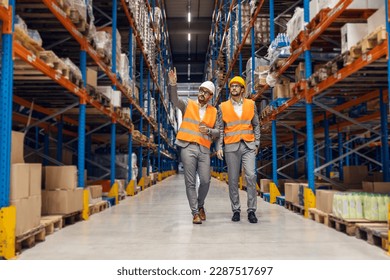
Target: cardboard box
<point x="62" y="201"/>
<point x="60" y="177"/>
<point x="20" y="181"/>
<point x="355" y="174"/>
<point x="116" y="98"/>
<point x="291" y="192"/>
<point x="374" y="4"/>
<point x="144" y="171"/>
<point x="324" y="200"/>
<point x="264" y="185"/>
<point x="92" y="77"/>
<point x="17" y="147"/>
<point x="376" y="19"/>
<point x="351" y="33"/>
<point x="96" y="191"/>
<point x="35" y="179"/>
<point x="28" y="213"/>
<point x="376" y="187"/>
<point x="106" y="91"/>
<point x="281" y="91"/>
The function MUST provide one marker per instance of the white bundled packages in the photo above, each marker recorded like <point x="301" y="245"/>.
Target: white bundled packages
<point x="78" y="5"/>
<point x="73" y="68"/>
<point x="296" y="24"/>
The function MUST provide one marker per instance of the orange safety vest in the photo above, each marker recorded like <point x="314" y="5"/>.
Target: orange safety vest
<point x="189" y="129"/>
<point x="237" y="129"/>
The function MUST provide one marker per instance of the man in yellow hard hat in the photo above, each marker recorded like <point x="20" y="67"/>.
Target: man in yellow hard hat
<point x="239" y="127"/>
<point x="197" y="132"/>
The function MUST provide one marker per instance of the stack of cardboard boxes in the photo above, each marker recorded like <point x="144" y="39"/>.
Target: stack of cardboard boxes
<point x="25" y="189"/>
<point x="61" y="195"/>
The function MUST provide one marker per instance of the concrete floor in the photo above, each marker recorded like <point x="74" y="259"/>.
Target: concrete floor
<point x="157" y="224"/>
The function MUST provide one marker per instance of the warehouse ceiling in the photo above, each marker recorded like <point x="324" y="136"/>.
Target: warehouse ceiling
<point x="189" y="56"/>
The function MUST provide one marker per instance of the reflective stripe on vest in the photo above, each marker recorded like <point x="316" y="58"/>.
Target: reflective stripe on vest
<point x="237" y="129"/>
<point x="189" y="129"/>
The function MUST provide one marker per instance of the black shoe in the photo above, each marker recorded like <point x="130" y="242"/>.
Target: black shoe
<point x="236" y="217"/>
<point x="252" y="217"/>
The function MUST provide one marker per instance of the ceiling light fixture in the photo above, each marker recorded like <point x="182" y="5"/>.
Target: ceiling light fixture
<point x="189" y="36"/>
<point x="189" y="16"/>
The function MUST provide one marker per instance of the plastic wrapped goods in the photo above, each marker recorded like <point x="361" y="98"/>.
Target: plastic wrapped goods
<point x="359" y="205"/>
<point x="352" y="205"/>
<point x="34" y="34"/>
<point x="79" y="6"/>
<point x="20" y="24"/>
<point x="382" y="208"/>
<point x="73" y="68"/>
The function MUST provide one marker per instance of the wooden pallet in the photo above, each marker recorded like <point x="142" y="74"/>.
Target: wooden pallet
<point x="374" y="233"/>
<point x="98" y="207"/>
<point x="49" y="57"/>
<point x="294" y="207"/>
<point x="29" y="238"/>
<point x="51" y="223"/>
<point x="319" y="216"/>
<point x="368" y="43"/>
<point x="71" y="218"/>
<point x="347" y="226"/>
<point x="21" y="36"/>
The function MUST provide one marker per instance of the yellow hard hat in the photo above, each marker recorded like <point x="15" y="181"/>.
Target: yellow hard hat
<point x="238" y="80"/>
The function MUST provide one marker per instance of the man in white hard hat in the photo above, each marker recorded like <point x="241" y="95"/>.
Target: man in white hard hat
<point x="195" y="136"/>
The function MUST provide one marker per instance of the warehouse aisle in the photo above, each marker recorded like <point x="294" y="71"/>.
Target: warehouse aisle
<point x="157" y="224"/>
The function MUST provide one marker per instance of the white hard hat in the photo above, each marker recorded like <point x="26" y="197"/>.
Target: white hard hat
<point x="209" y="85"/>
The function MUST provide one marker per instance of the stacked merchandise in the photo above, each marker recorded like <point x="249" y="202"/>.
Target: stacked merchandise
<point x="260" y="74"/>
<point x="61" y="194"/>
<point x="296" y="24"/>
<point x="25" y="188"/>
<point x="27" y="37"/>
<point x="279" y="48"/>
<point x="370" y="206"/>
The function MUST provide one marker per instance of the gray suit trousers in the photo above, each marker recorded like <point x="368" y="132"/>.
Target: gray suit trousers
<point x="195" y="161"/>
<point x="233" y="159"/>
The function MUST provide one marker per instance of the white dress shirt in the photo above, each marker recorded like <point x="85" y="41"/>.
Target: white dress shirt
<point x="237" y="107"/>
<point x="202" y="110"/>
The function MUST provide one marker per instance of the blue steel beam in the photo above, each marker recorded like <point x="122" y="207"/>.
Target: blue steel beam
<point x="327" y="145"/>
<point x="384" y="138"/>
<point x="239" y="36"/>
<point x="141" y="103"/>
<point x="82" y="121"/>
<point x="341" y="150"/>
<point x="6" y="85"/>
<point x="309" y="111"/>
<point x="130" y="139"/>
<point x="253" y="59"/>
<point x="113" y="125"/>
<point x="148" y="132"/>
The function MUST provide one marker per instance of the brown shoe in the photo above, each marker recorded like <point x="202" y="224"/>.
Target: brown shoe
<point x="196" y="219"/>
<point x="202" y="214"/>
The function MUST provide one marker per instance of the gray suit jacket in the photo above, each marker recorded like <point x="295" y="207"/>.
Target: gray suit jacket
<point x="181" y="104"/>
<point x="234" y="147"/>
